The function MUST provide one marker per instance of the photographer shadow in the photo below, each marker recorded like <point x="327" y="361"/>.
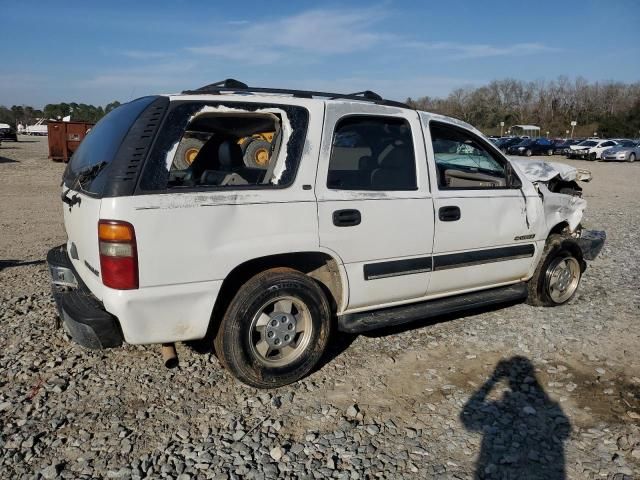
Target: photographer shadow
<point x="523" y="431"/>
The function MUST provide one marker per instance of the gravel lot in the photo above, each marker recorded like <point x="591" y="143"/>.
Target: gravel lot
<point x="483" y="394"/>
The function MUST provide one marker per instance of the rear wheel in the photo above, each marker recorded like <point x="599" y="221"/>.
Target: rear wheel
<point x="632" y="157"/>
<point x="275" y="330"/>
<point x="557" y="276"/>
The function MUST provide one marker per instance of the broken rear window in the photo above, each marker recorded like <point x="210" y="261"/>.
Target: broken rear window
<point x="231" y="145"/>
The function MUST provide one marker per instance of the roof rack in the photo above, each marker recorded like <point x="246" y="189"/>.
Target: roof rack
<point x="232" y="85"/>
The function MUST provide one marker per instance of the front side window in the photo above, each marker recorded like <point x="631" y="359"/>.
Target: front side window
<point x="235" y="145"/>
<point x="463" y="161"/>
<point x="372" y="153"/>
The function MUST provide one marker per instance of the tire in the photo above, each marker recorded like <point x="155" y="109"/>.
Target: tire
<point x="632" y="157"/>
<point x="257" y="154"/>
<point x="528" y="153"/>
<point x="503" y="150"/>
<point x="549" y="152"/>
<point x="186" y="152"/>
<point x="241" y="343"/>
<point x="592" y="156"/>
<point x="548" y="274"/>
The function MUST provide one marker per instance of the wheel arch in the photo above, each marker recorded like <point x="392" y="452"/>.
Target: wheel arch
<point x="568" y="243"/>
<point x="558" y="229"/>
<point x="326" y="269"/>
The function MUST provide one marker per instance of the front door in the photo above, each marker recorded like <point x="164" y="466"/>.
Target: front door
<point x="485" y="223"/>
<point x="374" y="208"/>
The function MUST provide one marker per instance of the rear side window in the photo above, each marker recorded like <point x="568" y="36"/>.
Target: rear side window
<point x="372" y="153"/>
<point x="225" y="146"/>
<point x="87" y="168"/>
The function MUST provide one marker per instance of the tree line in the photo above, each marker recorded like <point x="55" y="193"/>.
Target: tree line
<point x="610" y="109"/>
<point x="80" y="112"/>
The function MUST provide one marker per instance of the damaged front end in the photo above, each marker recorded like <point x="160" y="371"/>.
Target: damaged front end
<point x="561" y="194"/>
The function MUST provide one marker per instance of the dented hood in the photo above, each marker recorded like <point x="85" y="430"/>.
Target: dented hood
<point x="541" y="171"/>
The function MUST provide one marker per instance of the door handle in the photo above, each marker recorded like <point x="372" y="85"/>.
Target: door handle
<point x="449" y="214"/>
<point x="346" y="218"/>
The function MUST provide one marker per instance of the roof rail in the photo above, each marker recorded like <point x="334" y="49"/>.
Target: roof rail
<point x="232" y="85"/>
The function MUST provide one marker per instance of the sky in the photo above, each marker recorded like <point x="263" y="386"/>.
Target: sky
<point x="97" y="52"/>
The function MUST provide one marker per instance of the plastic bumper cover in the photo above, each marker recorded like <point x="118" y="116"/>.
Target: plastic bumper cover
<point x="591" y="242"/>
<point x="84" y="317"/>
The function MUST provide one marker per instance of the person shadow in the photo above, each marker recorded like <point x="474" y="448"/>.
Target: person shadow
<point x="523" y="431"/>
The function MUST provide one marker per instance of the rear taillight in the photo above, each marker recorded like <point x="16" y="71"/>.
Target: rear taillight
<point x="118" y="254"/>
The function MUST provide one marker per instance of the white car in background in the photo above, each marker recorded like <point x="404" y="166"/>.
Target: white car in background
<point x="590" y="149"/>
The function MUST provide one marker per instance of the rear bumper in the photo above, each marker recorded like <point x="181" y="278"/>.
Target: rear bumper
<point x="591" y="242"/>
<point x="84" y="317"/>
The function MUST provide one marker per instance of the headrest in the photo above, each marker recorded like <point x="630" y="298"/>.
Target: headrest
<point x="229" y="155"/>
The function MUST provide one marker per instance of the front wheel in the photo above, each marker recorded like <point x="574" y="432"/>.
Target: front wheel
<point x="275" y="329"/>
<point x="592" y="156"/>
<point x="549" y="152"/>
<point x="557" y="276"/>
<point x="528" y="153"/>
<point x="632" y="157"/>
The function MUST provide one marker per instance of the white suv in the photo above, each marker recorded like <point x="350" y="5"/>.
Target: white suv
<point x="365" y="213"/>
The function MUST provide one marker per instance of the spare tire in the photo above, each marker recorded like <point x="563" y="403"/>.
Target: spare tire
<point x="257" y="154"/>
<point x="187" y="152"/>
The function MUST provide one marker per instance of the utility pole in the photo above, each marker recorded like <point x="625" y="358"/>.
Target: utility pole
<point x="501" y="127"/>
<point x="573" y="125"/>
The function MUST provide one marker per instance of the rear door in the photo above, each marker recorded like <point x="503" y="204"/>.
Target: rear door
<point x="374" y="208"/>
<point x="84" y="182"/>
<point x="485" y="223"/>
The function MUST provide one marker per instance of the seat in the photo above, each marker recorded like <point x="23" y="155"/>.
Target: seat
<point x="218" y="163"/>
<point x="396" y="171"/>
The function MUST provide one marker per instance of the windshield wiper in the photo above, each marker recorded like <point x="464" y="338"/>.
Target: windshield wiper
<point x="88" y="174"/>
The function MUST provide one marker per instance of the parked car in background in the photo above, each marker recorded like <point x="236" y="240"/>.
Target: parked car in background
<point x="505" y="142"/>
<point x="561" y="147"/>
<point x="7" y="132"/>
<point x="532" y="146"/>
<point x="590" y="149"/>
<point x="626" y="151"/>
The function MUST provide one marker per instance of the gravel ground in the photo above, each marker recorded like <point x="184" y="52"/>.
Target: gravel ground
<point x="515" y="392"/>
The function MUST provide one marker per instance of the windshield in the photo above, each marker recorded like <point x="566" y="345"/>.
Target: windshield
<point x="99" y="147"/>
<point x="588" y="143"/>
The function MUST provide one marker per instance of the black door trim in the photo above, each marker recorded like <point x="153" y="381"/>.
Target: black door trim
<point x="478" y="257"/>
<point x="394" y="268"/>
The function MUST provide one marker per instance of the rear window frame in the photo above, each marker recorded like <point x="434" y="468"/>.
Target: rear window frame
<point x="69" y="181"/>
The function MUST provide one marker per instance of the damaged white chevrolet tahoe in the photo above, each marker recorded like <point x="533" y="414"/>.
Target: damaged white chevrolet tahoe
<point x="358" y="213"/>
